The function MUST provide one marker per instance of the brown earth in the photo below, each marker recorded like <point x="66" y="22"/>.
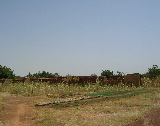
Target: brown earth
<point x="20" y="111"/>
<point x="152" y="118"/>
<point x="16" y="111"/>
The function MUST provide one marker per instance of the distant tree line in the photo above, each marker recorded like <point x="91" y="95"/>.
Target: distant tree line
<point x="41" y="74"/>
<point x="109" y="73"/>
<point x="7" y="73"/>
<point x="151" y="71"/>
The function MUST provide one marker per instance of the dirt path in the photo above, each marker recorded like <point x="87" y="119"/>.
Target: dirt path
<point x="152" y="118"/>
<point x="17" y="111"/>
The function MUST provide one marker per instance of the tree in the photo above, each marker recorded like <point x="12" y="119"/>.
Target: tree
<point x="119" y="73"/>
<point x="154" y="70"/>
<point x="107" y="73"/>
<point x="56" y="74"/>
<point x="29" y="75"/>
<point x="6" y="73"/>
<point x="42" y="74"/>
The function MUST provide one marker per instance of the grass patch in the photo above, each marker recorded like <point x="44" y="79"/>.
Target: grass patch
<point x="136" y="93"/>
<point x="118" y="112"/>
<point x="110" y="93"/>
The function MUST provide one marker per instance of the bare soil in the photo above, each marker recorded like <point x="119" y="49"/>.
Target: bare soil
<point x="17" y="111"/>
<point x="152" y="118"/>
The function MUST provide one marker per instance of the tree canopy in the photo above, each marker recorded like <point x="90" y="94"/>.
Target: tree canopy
<point x="107" y="73"/>
<point x="42" y="74"/>
<point x="154" y="70"/>
<point x="6" y="73"/>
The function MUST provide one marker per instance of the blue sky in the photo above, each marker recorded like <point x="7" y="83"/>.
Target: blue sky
<point x="79" y="37"/>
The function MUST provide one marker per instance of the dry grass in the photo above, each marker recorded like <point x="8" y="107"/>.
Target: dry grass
<point x="57" y="90"/>
<point x="3" y="104"/>
<point x="107" y="113"/>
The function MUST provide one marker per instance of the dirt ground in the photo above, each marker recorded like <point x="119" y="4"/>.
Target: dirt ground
<point x="20" y="111"/>
<point x="16" y="111"/>
<point x="151" y="118"/>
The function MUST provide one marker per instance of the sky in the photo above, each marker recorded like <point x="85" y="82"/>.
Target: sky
<point x="79" y="37"/>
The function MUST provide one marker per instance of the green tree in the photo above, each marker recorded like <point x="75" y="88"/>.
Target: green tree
<point x="42" y="74"/>
<point x="56" y="74"/>
<point x="29" y="75"/>
<point x="6" y="73"/>
<point x="107" y="73"/>
<point x="154" y="70"/>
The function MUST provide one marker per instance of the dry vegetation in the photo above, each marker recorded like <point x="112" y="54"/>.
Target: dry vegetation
<point x="107" y="113"/>
<point x="117" y="112"/>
